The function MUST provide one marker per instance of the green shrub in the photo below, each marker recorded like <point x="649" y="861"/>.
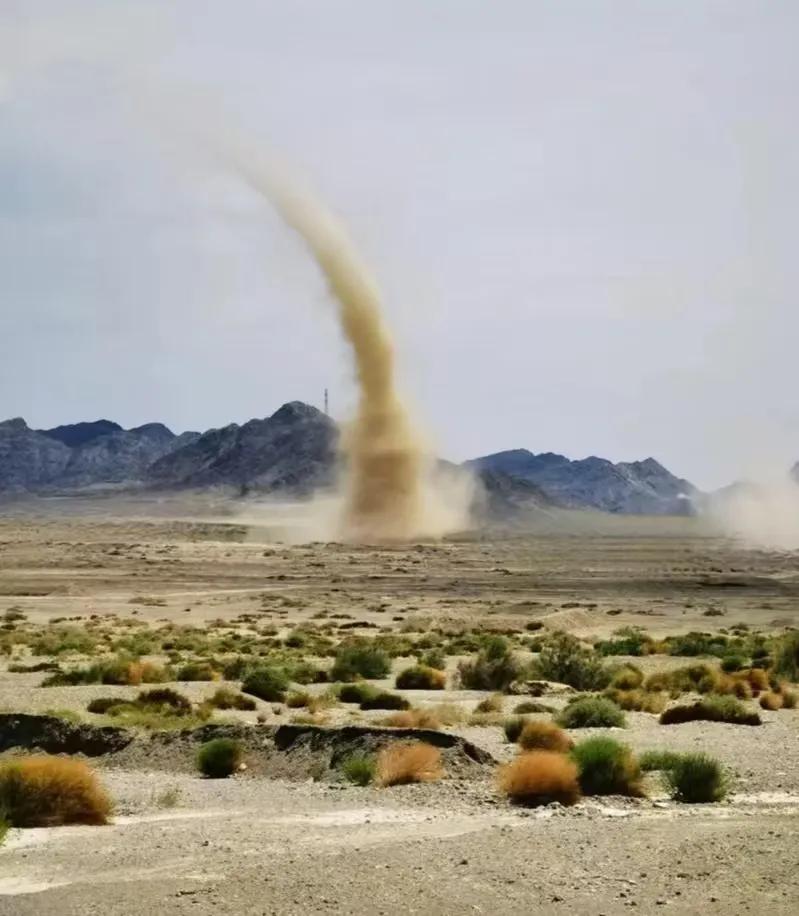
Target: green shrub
<point x="627" y="677"/>
<point x="658" y="760"/>
<point x="591" y="712"/>
<point x="531" y="706"/>
<point x="359" y="769"/>
<point x="732" y="663"/>
<point x="219" y="758"/>
<point x="103" y="705"/>
<point x="566" y="660"/>
<point x="786" y="656"/>
<point x="711" y="709"/>
<point x="164" y="696"/>
<point x="626" y="641"/>
<point x="607" y="767"/>
<point x="420" y="677"/>
<point x="360" y="660"/>
<point x="494" y="668"/>
<point x="696" y="778"/>
<point x="225" y="698"/>
<point x="196" y="671"/>
<point x="357" y="692"/>
<point x="385" y="700"/>
<point x="513" y="728"/>
<point x="692" y="644"/>
<point x="266" y="683"/>
<point x="434" y="658"/>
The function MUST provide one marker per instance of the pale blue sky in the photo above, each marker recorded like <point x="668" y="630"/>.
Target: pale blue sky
<point x="582" y="215"/>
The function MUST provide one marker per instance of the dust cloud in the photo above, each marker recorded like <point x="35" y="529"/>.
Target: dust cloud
<point x="393" y="487"/>
<point x="763" y="514"/>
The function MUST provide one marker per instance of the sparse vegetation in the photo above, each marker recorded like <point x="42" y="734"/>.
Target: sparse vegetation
<point x="563" y="658"/>
<point x="545" y="736"/>
<point x="607" y="767"/>
<point x="360" y="660"/>
<point x="266" y="683"/>
<point x="45" y="791"/>
<point x="538" y="778"/>
<point x="696" y="779"/>
<point x="359" y="769"/>
<point x="219" y="758"/>
<point x="711" y="709"/>
<point x="494" y="668"/>
<point x="225" y="698"/>
<point x="412" y="718"/>
<point x="407" y="762"/>
<point x="658" y="760"/>
<point x="786" y="657"/>
<point x="591" y="712"/>
<point x="421" y="677"/>
<point x="383" y="699"/>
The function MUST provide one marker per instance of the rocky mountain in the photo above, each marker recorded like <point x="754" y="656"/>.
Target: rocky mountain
<point x="503" y="496"/>
<point x="29" y="460"/>
<point x="639" y="487"/>
<point x="73" y="434"/>
<point x="293" y="450"/>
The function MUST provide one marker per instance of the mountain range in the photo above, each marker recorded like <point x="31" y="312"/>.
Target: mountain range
<point x="294" y="452"/>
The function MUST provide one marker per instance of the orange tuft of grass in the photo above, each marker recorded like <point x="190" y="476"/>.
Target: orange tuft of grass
<point x="45" y="791"/>
<point x="544" y="736"/>
<point x="771" y="700"/>
<point x="409" y="761"/>
<point x="758" y="680"/>
<point x="538" y="778"/>
<point x="412" y="718"/>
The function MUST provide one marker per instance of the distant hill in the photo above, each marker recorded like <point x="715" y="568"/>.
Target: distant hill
<point x="74" y="434"/>
<point x="294" y="451"/>
<point x="638" y="487"/>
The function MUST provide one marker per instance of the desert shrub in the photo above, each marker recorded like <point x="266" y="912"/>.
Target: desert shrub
<point x="771" y="700"/>
<point x="196" y="671"/>
<point x="485" y="719"/>
<point x="103" y="705"/>
<point x="591" y="712"/>
<point x="406" y="762"/>
<point x="699" y="678"/>
<point x="693" y="644"/>
<point x="164" y="696"/>
<point x="357" y="692"/>
<point x="412" y="718"/>
<point x="531" y="706"/>
<point x="637" y="700"/>
<point x="658" y="760"/>
<point x="607" y="767"/>
<point x="494" y="668"/>
<point x="420" y="677"/>
<point x="730" y="663"/>
<point x="225" y="698"/>
<point x="114" y="671"/>
<point x="626" y="641"/>
<point x="383" y="699"/>
<point x="266" y="683"/>
<point x="565" y="659"/>
<point x="359" y="769"/>
<point x="360" y="660"/>
<point x="297" y="699"/>
<point x="757" y="679"/>
<point x="711" y="709"/>
<point x="513" y="728"/>
<point x="448" y="713"/>
<point x="538" y="778"/>
<point x="543" y="736"/>
<point x="44" y="791"/>
<point x="789" y="698"/>
<point x="786" y="656"/>
<point x="434" y="658"/>
<point x="493" y="703"/>
<point x="696" y="778"/>
<point x="219" y="758"/>
<point x="627" y="677"/>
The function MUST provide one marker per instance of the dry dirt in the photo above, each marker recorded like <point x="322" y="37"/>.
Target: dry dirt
<point x="254" y="844"/>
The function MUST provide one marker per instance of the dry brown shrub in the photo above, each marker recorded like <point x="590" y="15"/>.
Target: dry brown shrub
<point x="492" y="703"/>
<point x="44" y="791"/>
<point x="412" y="718"/>
<point x="408" y="761"/>
<point x="544" y="736"/>
<point x="758" y="680"/>
<point x="740" y="688"/>
<point x="540" y="777"/>
<point x="771" y="700"/>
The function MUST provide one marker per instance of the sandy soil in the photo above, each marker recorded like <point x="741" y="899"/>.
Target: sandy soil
<point x="255" y="845"/>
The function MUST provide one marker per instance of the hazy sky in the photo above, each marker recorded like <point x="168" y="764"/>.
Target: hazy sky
<point x="582" y="215"/>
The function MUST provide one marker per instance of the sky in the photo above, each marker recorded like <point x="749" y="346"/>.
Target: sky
<point x="581" y="216"/>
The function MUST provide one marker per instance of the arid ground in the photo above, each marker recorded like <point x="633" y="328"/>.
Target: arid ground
<point x="288" y="835"/>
